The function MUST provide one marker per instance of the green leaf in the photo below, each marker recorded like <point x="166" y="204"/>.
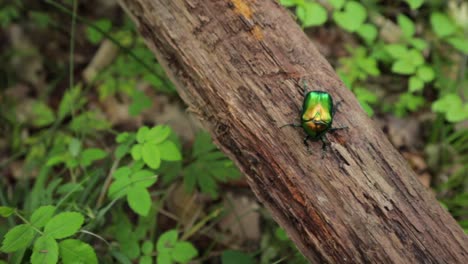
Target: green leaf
<point x="403" y="67"/>
<point x="147" y="247"/>
<point x="139" y="200"/>
<point x="136" y="151"/>
<point x="40" y="19"/>
<point x="151" y="155"/>
<point x="90" y="155"/>
<point x="43" y="115"/>
<point x="71" y="101"/>
<point x="158" y="134"/>
<point x="408" y="101"/>
<point x="212" y="156"/>
<point x="74" y="147"/>
<point x="311" y="14"/>
<point x="365" y="95"/>
<point x="459" y="43"/>
<point x="397" y="51"/>
<point x="122" y="172"/>
<point x="368" y="32"/>
<point x="444" y="103"/>
<point x="69" y="188"/>
<point x="235" y="257"/>
<point x="452" y="106"/>
<point x="122" y="137"/>
<point x="352" y="17"/>
<point x="8" y="13"/>
<point x="415" y="84"/>
<point x="57" y="159"/>
<point x="119" y="188"/>
<point x="89" y="122"/>
<point x="425" y="73"/>
<point x="207" y="184"/>
<point x="45" y="251"/>
<point x="164" y="258"/>
<point x="288" y="3"/>
<point x="130" y="247"/>
<point x="184" y="252"/>
<point x="76" y="251"/>
<point x="121" y="151"/>
<point x="442" y="25"/>
<point x="367" y="108"/>
<point x="419" y="44"/>
<point x="6" y="211"/>
<point x="94" y="36"/>
<point x="202" y="144"/>
<point x="415" y="57"/>
<point x="167" y="241"/>
<point x="17" y="238"/>
<point x="415" y="4"/>
<point x="140" y="102"/>
<point x="64" y="225"/>
<point x="281" y="234"/>
<point x="141" y="134"/>
<point x="42" y="215"/>
<point x="146" y="260"/>
<point x="144" y="178"/>
<point x="406" y="25"/>
<point x="190" y="178"/>
<point x="337" y="4"/>
<point x="169" y="151"/>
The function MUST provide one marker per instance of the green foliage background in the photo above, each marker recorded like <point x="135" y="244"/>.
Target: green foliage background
<point x="89" y="190"/>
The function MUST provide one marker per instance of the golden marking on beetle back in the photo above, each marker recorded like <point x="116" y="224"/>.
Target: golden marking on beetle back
<point x="257" y="33"/>
<point x="242" y="8"/>
<point x="317" y="113"/>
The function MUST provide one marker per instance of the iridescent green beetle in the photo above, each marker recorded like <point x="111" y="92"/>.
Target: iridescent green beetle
<point x="317" y="117"/>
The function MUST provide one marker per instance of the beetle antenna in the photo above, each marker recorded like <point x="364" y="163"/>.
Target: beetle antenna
<point x="293" y="125"/>
<point x="306" y="88"/>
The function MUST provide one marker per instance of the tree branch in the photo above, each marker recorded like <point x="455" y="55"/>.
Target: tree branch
<point x="240" y="64"/>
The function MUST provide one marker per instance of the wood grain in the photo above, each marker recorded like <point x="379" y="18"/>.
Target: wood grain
<point x="239" y="65"/>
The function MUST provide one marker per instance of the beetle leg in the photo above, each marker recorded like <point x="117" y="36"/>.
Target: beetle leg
<point x="333" y="129"/>
<point x="304" y="84"/>
<point x="337" y="105"/>
<point x="307" y="144"/>
<point x="293" y="125"/>
<point x="324" y="145"/>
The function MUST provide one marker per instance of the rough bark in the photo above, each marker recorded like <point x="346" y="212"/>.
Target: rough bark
<point x="239" y="65"/>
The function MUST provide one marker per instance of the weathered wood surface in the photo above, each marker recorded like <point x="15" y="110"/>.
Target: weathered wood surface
<point x="239" y="65"/>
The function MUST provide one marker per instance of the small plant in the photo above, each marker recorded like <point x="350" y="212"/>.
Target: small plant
<point x="452" y="107"/>
<point x="9" y="12"/>
<point x="448" y="31"/>
<point x="208" y="166"/>
<point x="153" y="146"/>
<point x="49" y="235"/>
<point x="133" y="182"/>
<point x="172" y="250"/>
<point x="138" y="63"/>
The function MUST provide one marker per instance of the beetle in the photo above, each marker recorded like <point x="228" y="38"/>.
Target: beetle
<point x="317" y="117"/>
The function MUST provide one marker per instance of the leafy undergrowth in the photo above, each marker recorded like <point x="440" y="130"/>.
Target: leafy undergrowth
<point x="100" y="161"/>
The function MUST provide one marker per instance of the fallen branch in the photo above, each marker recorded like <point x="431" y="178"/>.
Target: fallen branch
<point x="239" y="65"/>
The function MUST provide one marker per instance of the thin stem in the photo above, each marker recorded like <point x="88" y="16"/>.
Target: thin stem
<point x="72" y="43"/>
<point x="201" y="223"/>
<point x="27" y="222"/>
<point x="4" y="202"/>
<point x="95" y="235"/>
<point x="128" y="51"/>
<point x="107" y="183"/>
